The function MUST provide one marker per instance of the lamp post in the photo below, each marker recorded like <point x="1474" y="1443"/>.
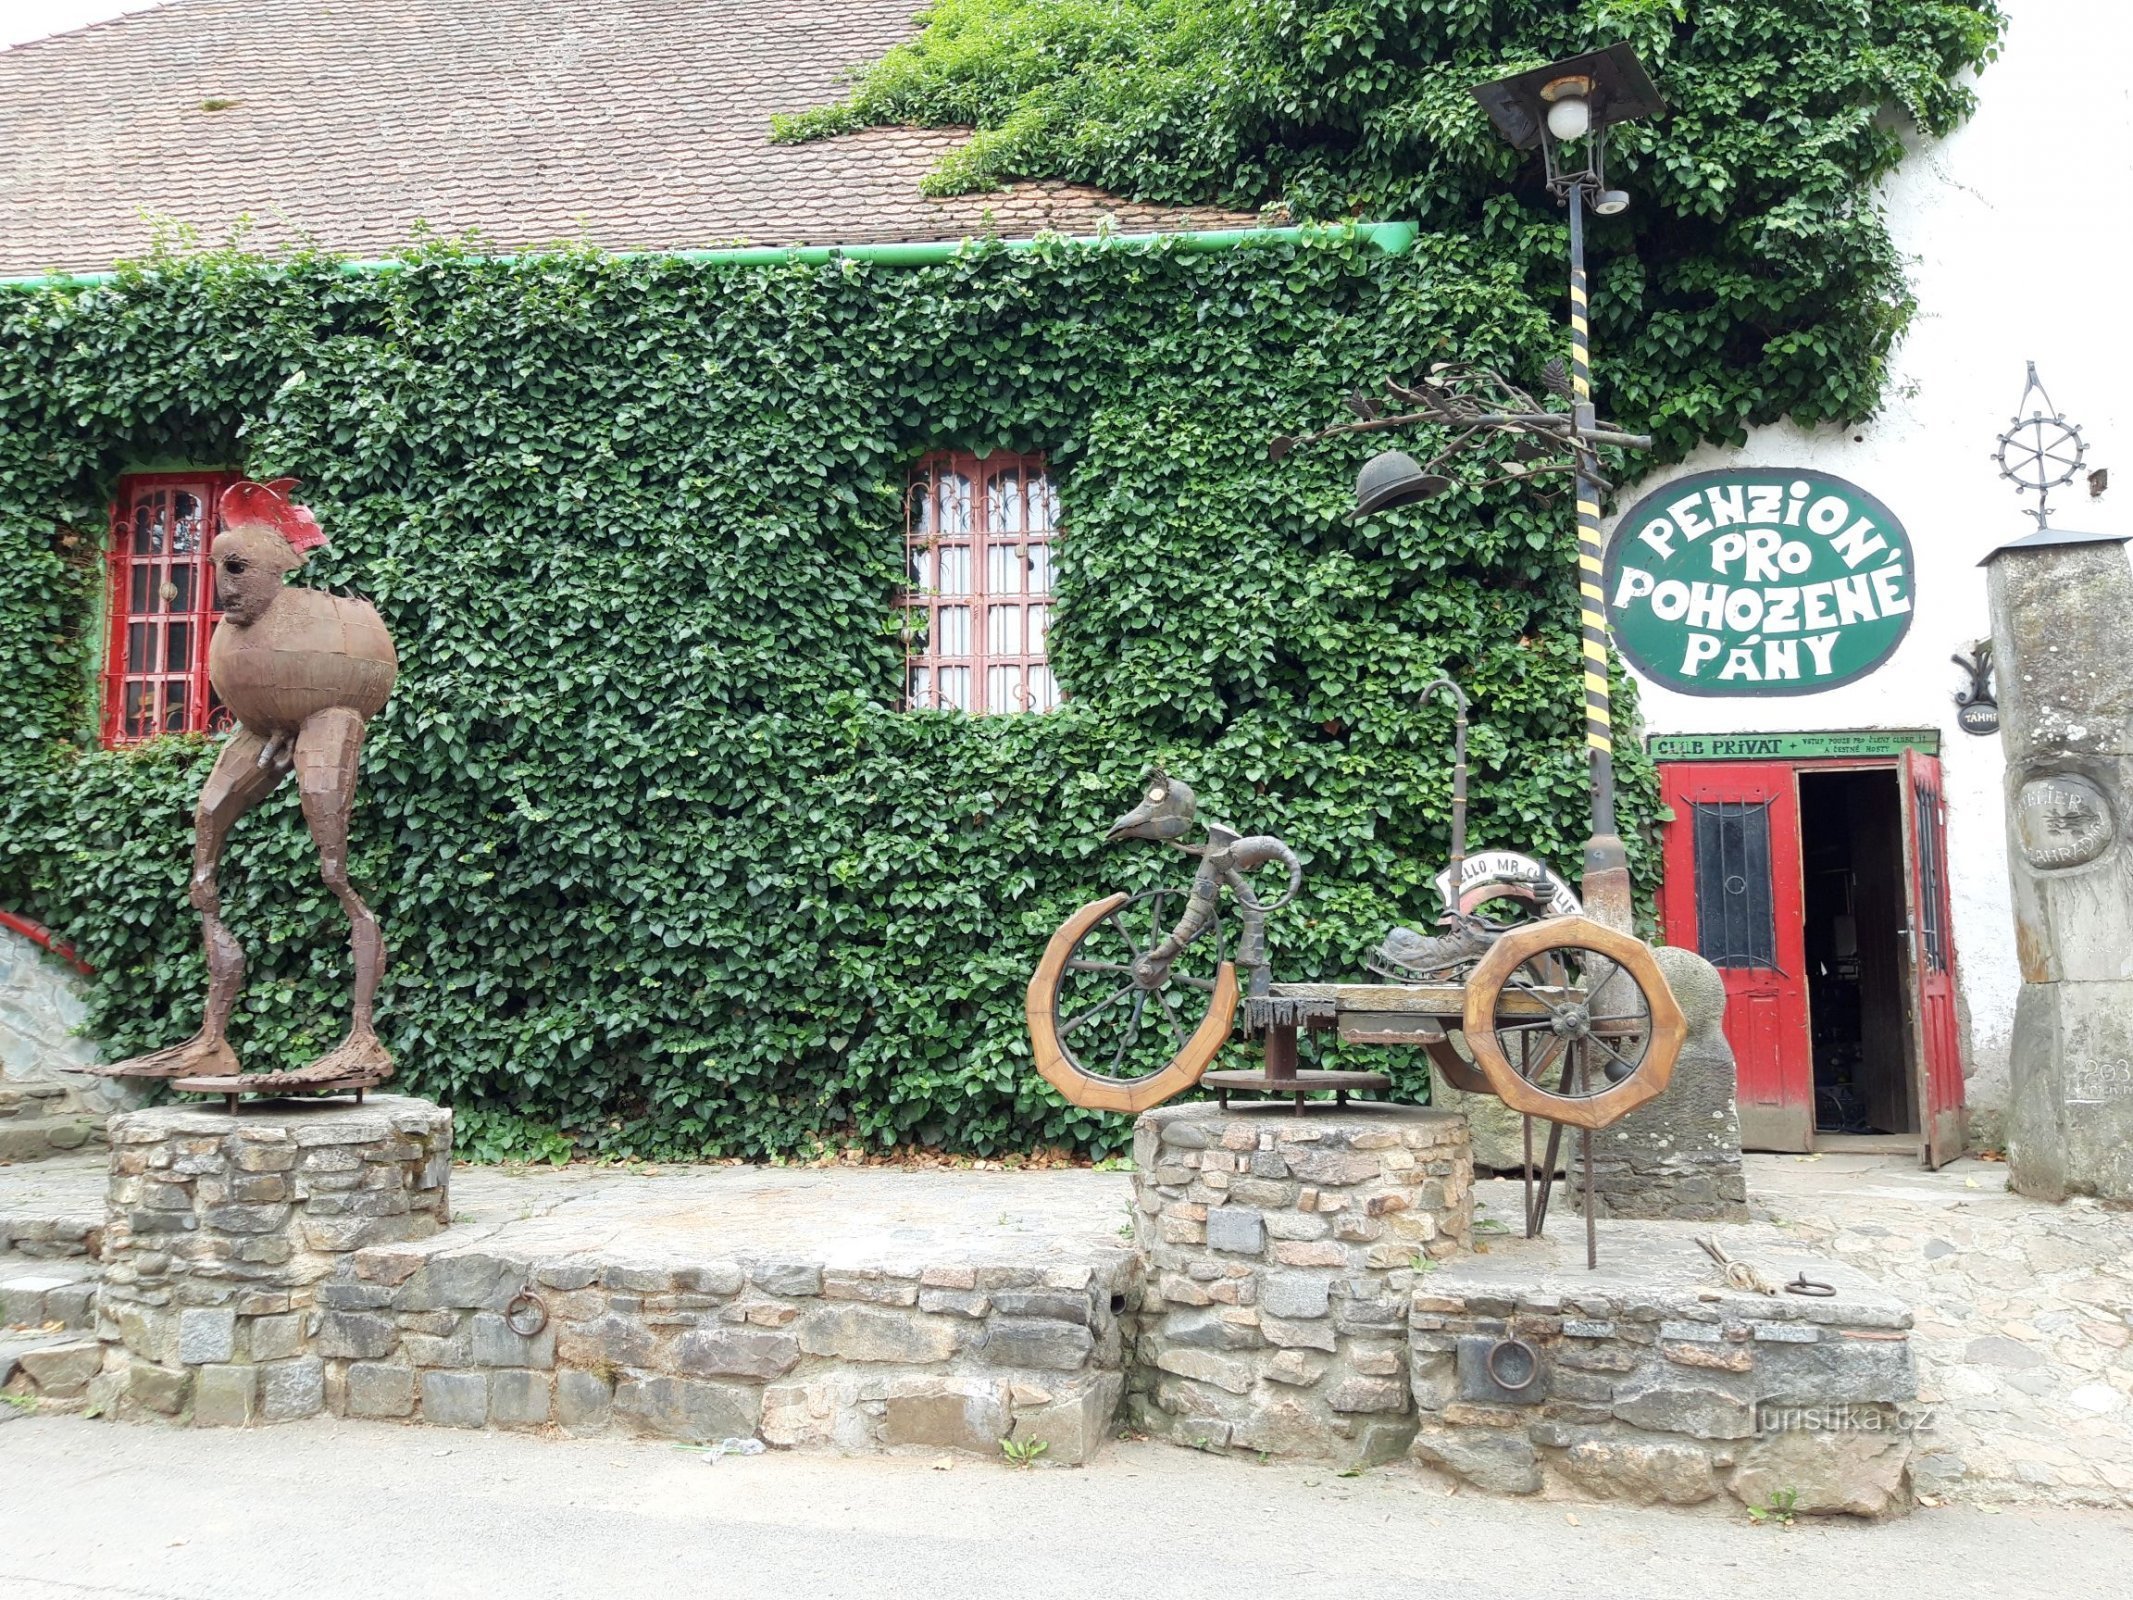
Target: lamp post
<point x="1565" y="109"/>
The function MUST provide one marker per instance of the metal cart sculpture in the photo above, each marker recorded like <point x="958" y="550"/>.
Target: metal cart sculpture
<point x="1560" y="1017"/>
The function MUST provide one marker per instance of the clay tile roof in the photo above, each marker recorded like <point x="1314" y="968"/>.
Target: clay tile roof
<point x="630" y="124"/>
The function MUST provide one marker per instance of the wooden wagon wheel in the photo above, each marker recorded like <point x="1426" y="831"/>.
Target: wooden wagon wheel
<point x="1106" y="1038"/>
<point x="1590" y="1019"/>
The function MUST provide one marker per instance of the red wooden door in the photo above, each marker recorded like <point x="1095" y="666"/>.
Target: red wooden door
<point x="1936" y="1038"/>
<point x="1732" y="894"/>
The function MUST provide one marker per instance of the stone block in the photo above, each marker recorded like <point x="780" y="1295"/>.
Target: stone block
<point x="1263" y="1193"/>
<point x="1663" y="1403"/>
<point x="1855" y="1472"/>
<point x="206" y="1334"/>
<point x="225" y="1396"/>
<point x="519" y="1398"/>
<point x="356" y="1335"/>
<point x="1074" y="1424"/>
<point x="1501" y="1463"/>
<point x="1315" y="1334"/>
<point x="721" y="1278"/>
<point x="1224" y="1372"/>
<point x="949" y="1414"/>
<point x="157" y="1388"/>
<point x="688" y="1408"/>
<point x="291" y="1389"/>
<point x="380" y="1389"/>
<point x="1026" y="1342"/>
<point x="1205" y="1329"/>
<point x="1294" y="1367"/>
<point x="63" y="1371"/>
<point x="496" y="1345"/>
<point x="455" y="1399"/>
<point x="583" y="1401"/>
<point x="787" y="1280"/>
<point x="1236" y="1229"/>
<point x="1641" y="1470"/>
<point x="1323" y="1253"/>
<point x="736" y="1353"/>
<point x="796" y="1414"/>
<point x="857" y="1332"/>
<point x="459" y="1283"/>
<point x="1368" y="1394"/>
<point x="1293" y="1295"/>
<point x="275" y="1338"/>
<point x="607" y="1340"/>
<point x="950" y="1302"/>
<point x="1334" y="1168"/>
<point x="1836" y="1371"/>
<point x="1049" y="1304"/>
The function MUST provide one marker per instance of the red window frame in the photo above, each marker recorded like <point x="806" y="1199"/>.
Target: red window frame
<point x="161" y="606"/>
<point x="978" y="536"/>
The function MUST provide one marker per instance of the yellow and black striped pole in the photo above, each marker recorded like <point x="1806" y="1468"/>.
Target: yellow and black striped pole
<point x="1605" y="889"/>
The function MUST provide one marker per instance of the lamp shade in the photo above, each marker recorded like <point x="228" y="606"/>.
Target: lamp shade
<point x="1620" y="91"/>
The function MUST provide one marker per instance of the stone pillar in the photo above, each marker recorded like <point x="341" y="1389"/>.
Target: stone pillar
<point x="218" y="1227"/>
<point x="1679" y="1156"/>
<point x="1280" y="1253"/>
<point x="2062" y="640"/>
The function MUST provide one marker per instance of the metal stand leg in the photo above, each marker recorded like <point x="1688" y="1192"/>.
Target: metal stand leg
<point x="1537" y="1218"/>
<point x="1592" y="1234"/>
<point x="1527" y="1172"/>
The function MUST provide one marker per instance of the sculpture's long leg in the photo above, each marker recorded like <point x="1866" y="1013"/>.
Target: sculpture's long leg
<point x="238" y="782"/>
<point x="327" y="749"/>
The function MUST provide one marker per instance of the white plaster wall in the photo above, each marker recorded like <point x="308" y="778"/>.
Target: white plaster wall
<point x="2016" y="229"/>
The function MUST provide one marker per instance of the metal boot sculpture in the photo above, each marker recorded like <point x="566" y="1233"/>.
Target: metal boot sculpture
<point x="303" y="672"/>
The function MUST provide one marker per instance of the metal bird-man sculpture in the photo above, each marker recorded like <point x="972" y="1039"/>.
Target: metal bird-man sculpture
<point x="303" y="671"/>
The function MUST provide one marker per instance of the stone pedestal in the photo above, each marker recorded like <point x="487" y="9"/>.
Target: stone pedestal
<point x="1678" y="1157"/>
<point x="2064" y="663"/>
<point x="218" y="1227"/>
<point x="1649" y="1379"/>
<point x="1280" y="1252"/>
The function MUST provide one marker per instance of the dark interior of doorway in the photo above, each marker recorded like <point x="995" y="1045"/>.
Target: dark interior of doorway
<point x="1851" y="857"/>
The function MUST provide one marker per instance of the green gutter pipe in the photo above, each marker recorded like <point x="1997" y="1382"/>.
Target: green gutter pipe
<point x="1394" y="238"/>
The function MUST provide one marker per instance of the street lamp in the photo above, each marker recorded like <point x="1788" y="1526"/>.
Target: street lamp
<point x="1566" y="108"/>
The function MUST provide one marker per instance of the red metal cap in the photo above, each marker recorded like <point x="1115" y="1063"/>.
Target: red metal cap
<point x="253" y="505"/>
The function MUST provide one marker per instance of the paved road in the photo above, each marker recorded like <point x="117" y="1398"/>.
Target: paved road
<point x="369" y="1509"/>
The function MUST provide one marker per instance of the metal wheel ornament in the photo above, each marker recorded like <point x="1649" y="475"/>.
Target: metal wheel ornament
<point x="1572" y="1021"/>
<point x="1112" y="1034"/>
<point x="2042" y="451"/>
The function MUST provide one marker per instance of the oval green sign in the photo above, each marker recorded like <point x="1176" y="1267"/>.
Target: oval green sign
<point x="1758" y="582"/>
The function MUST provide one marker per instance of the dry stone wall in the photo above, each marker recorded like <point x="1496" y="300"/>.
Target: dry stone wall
<point x="1643" y="1387"/>
<point x="950" y="1356"/>
<point x="219" y="1229"/>
<point x="1279" y="1253"/>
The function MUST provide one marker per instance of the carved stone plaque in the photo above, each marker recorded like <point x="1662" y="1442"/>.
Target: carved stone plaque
<point x="2062" y="821"/>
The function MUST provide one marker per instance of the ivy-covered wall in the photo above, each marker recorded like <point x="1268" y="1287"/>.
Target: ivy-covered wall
<point x="662" y="867"/>
<point x="659" y="860"/>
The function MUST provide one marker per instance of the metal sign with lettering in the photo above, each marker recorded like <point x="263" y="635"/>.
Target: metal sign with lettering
<point x="1871" y="744"/>
<point x="1773" y="581"/>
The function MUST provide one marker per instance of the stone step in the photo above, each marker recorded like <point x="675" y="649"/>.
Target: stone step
<point x="52" y="1366"/>
<point x="54" y="1209"/>
<point x="34" y="1138"/>
<point x="41" y="1293"/>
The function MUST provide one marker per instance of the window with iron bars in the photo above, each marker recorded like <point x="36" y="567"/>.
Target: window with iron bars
<point x="161" y="607"/>
<point x="978" y="535"/>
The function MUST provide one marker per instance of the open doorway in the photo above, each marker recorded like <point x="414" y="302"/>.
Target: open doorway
<point x="1852" y="878"/>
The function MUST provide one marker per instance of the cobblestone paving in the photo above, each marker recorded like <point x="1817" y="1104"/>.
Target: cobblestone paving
<point x="2024" y="1317"/>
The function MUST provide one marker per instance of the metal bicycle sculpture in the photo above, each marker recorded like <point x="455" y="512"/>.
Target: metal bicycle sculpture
<point x="1561" y="1017"/>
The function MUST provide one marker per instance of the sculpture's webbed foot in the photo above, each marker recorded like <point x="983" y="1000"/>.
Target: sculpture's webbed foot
<point x="199" y="1056"/>
<point x="358" y="1062"/>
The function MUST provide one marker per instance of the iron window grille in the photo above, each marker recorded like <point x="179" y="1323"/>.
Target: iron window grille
<point x="161" y="607"/>
<point x="978" y="534"/>
<point x="1736" y="906"/>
